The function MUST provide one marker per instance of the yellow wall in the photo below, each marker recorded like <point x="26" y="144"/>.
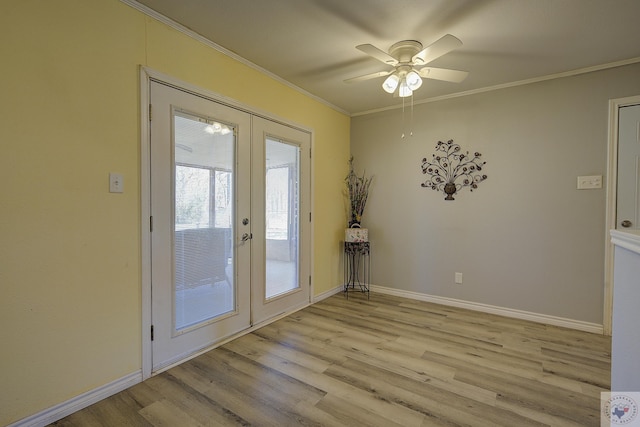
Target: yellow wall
<point x="70" y="265"/>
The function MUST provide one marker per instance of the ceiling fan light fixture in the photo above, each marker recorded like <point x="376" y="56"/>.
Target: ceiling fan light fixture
<point x="404" y="56"/>
<point x="391" y="83"/>
<point x="413" y="80"/>
<point x="405" y="90"/>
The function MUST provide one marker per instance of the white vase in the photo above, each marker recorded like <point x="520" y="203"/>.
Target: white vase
<point x="353" y="235"/>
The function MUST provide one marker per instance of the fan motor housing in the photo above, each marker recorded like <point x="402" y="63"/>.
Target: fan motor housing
<point x="404" y="50"/>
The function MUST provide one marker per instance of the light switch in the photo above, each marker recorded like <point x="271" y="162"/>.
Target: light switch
<point x="589" y="182"/>
<point x="116" y="183"/>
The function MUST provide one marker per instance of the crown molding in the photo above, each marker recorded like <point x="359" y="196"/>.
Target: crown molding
<point x="190" y="33"/>
<point x="571" y="73"/>
<point x="181" y="28"/>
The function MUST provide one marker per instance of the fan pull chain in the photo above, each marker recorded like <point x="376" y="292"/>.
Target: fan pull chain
<point x="410" y="119"/>
<point x="411" y="122"/>
<point x="402" y="137"/>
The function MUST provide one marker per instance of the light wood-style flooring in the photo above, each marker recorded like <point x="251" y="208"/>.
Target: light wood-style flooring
<point x="387" y="361"/>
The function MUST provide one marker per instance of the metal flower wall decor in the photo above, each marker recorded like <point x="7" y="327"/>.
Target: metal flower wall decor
<point x="452" y="170"/>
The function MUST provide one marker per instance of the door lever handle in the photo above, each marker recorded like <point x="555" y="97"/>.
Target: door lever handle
<point x="247" y="236"/>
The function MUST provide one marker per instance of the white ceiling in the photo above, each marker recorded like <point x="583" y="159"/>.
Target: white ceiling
<point x="311" y="43"/>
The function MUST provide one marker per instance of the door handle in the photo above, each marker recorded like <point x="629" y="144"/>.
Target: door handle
<point x="247" y="236"/>
<point x="626" y="223"/>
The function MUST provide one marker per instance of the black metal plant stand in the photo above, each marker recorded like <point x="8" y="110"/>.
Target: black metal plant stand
<point x="357" y="267"/>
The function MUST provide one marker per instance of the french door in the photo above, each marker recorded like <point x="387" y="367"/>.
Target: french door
<point x="280" y="263"/>
<point x="228" y="247"/>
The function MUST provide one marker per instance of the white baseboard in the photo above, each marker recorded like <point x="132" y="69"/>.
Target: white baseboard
<point x="77" y="403"/>
<point x="328" y="293"/>
<point x="492" y="309"/>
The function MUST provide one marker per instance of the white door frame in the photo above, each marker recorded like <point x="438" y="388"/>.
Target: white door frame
<point x="610" y="221"/>
<point x="146" y="75"/>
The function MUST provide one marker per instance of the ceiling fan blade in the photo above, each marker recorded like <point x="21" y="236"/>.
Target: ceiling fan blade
<point x="436" y="49"/>
<point x="368" y="76"/>
<point x="444" y="74"/>
<point x="380" y="55"/>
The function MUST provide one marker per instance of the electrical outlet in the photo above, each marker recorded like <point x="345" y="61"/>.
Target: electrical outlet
<point x="459" y="278"/>
<point x="116" y="183"/>
<point x="589" y="182"/>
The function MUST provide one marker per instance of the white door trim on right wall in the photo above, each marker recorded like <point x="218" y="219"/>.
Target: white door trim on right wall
<point x="610" y="221"/>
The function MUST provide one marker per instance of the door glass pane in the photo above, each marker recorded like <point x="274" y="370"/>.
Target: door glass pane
<point x="282" y="217"/>
<point x="203" y="261"/>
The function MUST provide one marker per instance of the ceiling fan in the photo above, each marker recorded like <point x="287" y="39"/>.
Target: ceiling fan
<point x="409" y="59"/>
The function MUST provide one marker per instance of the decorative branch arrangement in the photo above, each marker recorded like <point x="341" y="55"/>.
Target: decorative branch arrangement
<point x="452" y="171"/>
<point x="358" y="192"/>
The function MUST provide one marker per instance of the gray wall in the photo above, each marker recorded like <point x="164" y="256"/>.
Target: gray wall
<point x="526" y="239"/>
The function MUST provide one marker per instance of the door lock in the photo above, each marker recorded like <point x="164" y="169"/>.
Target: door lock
<point x="245" y="221"/>
<point x="626" y="223"/>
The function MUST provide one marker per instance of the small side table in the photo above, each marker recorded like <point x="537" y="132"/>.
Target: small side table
<point x="357" y="267"/>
